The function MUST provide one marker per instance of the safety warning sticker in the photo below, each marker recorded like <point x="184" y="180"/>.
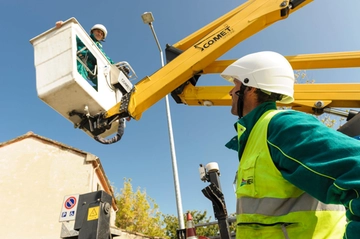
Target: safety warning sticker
<point x="93" y="213"/>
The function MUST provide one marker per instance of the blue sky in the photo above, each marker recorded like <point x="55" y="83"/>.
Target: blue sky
<point x="200" y="133"/>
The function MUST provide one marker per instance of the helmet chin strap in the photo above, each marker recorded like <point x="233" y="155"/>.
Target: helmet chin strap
<point x="240" y="103"/>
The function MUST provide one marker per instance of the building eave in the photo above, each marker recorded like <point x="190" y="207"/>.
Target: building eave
<point x="90" y="158"/>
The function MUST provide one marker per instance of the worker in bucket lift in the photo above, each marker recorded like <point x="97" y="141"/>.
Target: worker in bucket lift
<point x="98" y="33"/>
<point x="296" y="178"/>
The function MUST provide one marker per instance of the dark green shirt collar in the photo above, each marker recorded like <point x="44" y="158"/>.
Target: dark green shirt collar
<point x="248" y="121"/>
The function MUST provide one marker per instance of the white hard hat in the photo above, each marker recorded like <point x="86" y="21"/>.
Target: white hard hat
<point x="100" y="27"/>
<point x="266" y="70"/>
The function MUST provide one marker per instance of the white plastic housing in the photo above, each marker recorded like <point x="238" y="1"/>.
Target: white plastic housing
<point x="202" y="173"/>
<point x="212" y="167"/>
<point x="58" y="82"/>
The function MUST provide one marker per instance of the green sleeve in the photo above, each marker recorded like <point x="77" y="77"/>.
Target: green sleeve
<point x="109" y="59"/>
<point x="101" y="49"/>
<point x="319" y="160"/>
<point x="81" y="46"/>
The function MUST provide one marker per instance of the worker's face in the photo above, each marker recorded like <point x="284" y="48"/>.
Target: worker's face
<point x="98" y="34"/>
<point x="235" y="97"/>
<point x="250" y="101"/>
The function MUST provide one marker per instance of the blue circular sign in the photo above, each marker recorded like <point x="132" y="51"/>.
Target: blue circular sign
<point x="70" y="202"/>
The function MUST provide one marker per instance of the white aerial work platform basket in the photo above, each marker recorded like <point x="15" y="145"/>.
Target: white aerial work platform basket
<point x="59" y="83"/>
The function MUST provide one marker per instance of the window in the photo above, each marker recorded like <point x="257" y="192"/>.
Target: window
<point x="86" y="63"/>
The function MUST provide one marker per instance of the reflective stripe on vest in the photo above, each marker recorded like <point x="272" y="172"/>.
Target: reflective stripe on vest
<point x="269" y="206"/>
<point x="283" y="206"/>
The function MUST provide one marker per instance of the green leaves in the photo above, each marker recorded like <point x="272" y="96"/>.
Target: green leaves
<point x="138" y="212"/>
<point x="199" y="217"/>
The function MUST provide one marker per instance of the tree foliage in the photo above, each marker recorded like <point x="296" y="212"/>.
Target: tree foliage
<point x="301" y="77"/>
<point x="331" y="121"/>
<point x="199" y="217"/>
<point x="138" y="212"/>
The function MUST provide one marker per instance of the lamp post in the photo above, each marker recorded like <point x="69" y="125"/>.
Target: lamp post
<point x="148" y="18"/>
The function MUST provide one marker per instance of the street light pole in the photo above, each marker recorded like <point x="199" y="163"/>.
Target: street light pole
<point x="148" y="19"/>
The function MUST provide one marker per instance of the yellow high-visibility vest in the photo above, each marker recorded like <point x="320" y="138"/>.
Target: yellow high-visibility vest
<point x="268" y="206"/>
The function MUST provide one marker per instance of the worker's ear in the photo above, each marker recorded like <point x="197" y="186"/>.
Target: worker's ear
<point x="250" y="89"/>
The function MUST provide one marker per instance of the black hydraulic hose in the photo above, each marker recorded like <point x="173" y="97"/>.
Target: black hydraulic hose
<point x="116" y="138"/>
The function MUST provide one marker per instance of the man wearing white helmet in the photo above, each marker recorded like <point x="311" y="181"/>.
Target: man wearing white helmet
<point x="98" y="33"/>
<point x="295" y="174"/>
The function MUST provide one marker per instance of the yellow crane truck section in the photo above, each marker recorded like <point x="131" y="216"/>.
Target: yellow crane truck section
<point x="202" y="48"/>
<point x="100" y="110"/>
<point x="308" y="97"/>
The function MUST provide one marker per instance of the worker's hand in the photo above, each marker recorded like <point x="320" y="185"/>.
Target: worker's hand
<point x="58" y="24"/>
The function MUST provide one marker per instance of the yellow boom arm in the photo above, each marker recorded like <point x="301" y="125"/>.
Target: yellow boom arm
<point x="200" y="50"/>
<point x="96" y="108"/>
<point x="310" y="98"/>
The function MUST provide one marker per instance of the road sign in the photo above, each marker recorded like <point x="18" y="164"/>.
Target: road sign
<point x="70" y="202"/>
<point x="69" y="207"/>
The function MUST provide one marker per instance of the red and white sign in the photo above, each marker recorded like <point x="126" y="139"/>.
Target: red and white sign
<point x="69" y="207"/>
<point x="70" y="202"/>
